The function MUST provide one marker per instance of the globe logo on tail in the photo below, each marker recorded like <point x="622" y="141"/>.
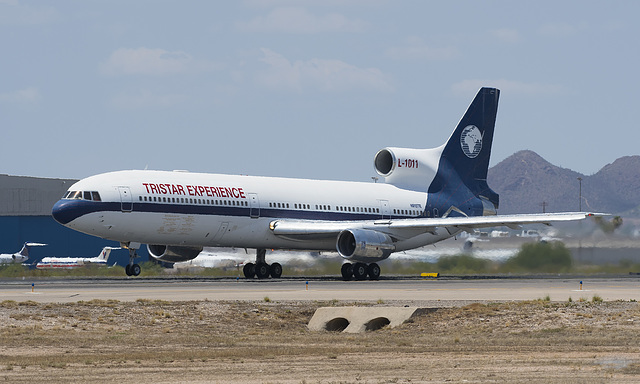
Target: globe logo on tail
<point x="471" y="141"/>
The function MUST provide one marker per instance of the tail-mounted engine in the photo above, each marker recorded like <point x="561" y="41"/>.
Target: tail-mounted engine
<point x="408" y="168"/>
<point x="173" y="253"/>
<point x="364" y="245"/>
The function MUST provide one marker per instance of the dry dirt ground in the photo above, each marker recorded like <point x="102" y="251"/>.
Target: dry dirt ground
<point x="268" y="342"/>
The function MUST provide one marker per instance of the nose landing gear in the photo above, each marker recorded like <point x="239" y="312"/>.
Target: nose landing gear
<point x="132" y="269"/>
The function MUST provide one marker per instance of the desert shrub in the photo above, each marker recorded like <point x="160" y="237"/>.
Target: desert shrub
<point x="13" y="270"/>
<point x="549" y="257"/>
<point x="462" y="264"/>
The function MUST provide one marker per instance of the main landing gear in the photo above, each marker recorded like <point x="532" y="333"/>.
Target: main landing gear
<point x="132" y="269"/>
<point x="360" y="271"/>
<point x="261" y="269"/>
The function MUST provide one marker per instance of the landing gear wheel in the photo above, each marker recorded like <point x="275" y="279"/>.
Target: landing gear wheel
<point x="374" y="271"/>
<point x="347" y="271"/>
<point x="135" y="270"/>
<point x="262" y="270"/>
<point x="275" y="270"/>
<point x="132" y="269"/>
<point x="360" y="271"/>
<point x="249" y="270"/>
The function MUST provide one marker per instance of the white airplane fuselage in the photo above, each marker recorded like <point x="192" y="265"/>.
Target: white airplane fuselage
<point x="67" y="262"/>
<point x="211" y="210"/>
<point x="75" y="262"/>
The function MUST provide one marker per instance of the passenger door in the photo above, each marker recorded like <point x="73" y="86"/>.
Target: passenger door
<point x="125" y="199"/>
<point x="254" y="205"/>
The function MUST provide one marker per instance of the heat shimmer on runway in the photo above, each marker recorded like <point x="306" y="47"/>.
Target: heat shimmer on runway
<point x="416" y="291"/>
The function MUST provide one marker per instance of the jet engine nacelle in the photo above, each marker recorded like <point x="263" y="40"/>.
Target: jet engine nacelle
<point x="364" y="245"/>
<point x="408" y="168"/>
<point x="173" y="253"/>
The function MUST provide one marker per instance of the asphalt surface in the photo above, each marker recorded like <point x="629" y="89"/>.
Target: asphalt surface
<point x="415" y="291"/>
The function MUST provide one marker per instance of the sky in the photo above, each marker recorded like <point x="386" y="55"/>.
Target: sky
<point x="308" y="89"/>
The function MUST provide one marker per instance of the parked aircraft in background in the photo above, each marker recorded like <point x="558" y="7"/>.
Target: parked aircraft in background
<point x="429" y="195"/>
<point x="75" y="262"/>
<point x="18" y="257"/>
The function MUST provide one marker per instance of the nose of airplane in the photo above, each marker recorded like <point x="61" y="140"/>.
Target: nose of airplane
<point x="62" y="211"/>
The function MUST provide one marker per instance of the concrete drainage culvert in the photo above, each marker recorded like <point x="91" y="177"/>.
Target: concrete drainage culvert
<point x="361" y="319"/>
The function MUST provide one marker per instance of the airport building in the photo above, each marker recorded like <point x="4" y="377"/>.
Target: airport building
<point x="25" y="216"/>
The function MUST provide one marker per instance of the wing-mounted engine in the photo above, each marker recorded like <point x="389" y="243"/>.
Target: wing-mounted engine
<point x="364" y="245"/>
<point x="173" y="253"/>
<point x="408" y="168"/>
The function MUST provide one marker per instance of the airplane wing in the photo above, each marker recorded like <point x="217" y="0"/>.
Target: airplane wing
<point x="316" y="229"/>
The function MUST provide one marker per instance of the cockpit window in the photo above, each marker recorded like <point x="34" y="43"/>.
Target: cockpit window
<point x="82" y="195"/>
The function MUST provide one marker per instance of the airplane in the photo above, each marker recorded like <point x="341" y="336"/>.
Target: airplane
<point x="75" y="262"/>
<point x="18" y="257"/>
<point x="428" y="195"/>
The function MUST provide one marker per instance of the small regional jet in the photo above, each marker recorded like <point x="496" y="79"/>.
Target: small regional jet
<point x="428" y="195"/>
<point x="75" y="262"/>
<point x="18" y="257"/>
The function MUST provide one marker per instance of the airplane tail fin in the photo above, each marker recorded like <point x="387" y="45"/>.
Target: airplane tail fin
<point x="25" y="250"/>
<point x="464" y="161"/>
<point x="104" y="254"/>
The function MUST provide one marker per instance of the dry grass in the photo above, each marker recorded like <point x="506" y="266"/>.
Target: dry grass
<point x="266" y="341"/>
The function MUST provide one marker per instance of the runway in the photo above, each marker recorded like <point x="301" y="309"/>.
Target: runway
<point x="418" y="292"/>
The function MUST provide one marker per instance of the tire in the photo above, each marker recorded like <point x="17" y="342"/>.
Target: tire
<point x="275" y="270"/>
<point x="374" y="271"/>
<point x="262" y="270"/>
<point x="135" y="270"/>
<point x="360" y="271"/>
<point x="249" y="270"/>
<point x="347" y="271"/>
<point x="127" y="270"/>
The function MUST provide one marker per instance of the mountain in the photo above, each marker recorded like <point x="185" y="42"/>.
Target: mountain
<point x="526" y="181"/>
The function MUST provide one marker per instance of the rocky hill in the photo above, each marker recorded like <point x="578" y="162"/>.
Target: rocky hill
<point x="526" y="182"/>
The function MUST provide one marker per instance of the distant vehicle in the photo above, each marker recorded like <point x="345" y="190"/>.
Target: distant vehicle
<point x="529" y="233"/>
<point x="75" y="262"/>
<point x="18" y="257"/>
<point x="428" y="195"/>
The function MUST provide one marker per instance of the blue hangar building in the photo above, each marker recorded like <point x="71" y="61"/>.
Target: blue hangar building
<point x="25" y="216"/>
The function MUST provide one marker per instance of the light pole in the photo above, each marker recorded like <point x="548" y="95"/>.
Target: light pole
<point x="580" y="195"/>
